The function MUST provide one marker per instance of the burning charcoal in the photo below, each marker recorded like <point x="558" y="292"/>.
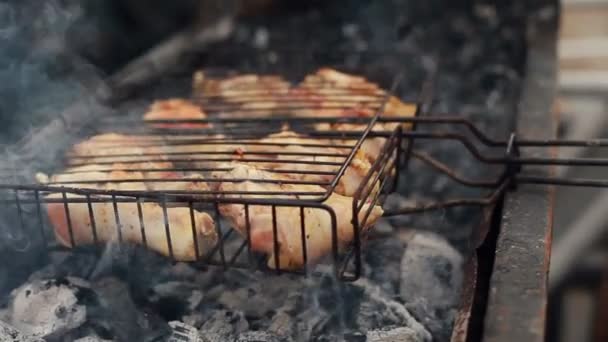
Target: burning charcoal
<point x="117" y="310"/>
<point x="259" y="336"/>
<point x="378" y="310"/>
<point x="392" y="335"/>
<point x="8" y="333"/>
<point x="175" y="298"/>
<point x="227" y="324"/>
<point x="66" y="264"/>
<point x="212" y="337"/>
<point x="301" y="323"/>
<point x="195" y="319"/>
<point x="355" y="337"/>
<point x="282" y="324"/>
<point x="430" y="260"/>
<point x="183" y="333"/>
<point x="48" y="308"/>
<point x="260" y="296"/>
<point x="379" y="255"/>
<point x="93" y="338"/>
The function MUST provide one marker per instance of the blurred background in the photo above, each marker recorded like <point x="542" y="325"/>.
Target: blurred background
<point x="579" y="264"/>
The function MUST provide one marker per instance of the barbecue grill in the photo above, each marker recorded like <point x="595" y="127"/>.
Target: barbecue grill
<point x="242" y="129"/>
<point x="239" y="130"/>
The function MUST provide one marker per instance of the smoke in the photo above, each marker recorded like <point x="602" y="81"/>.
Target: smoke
<point x="40" y="75"/>
<point x="47" y="91"/>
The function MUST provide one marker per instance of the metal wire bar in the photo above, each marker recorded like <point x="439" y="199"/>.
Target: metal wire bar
<point x="178" y="153"/>
<point x="117" y="218"/>
<point x="186" y="179"/>
<point x="446" y="170"/>
<point x="490" y="199"/>
<point x="68" y="218"/>
<point x="40" y="222"/>
<point x="167" y="227"/>
<point x="92" y="219"/>
<point x="142" y="226"/>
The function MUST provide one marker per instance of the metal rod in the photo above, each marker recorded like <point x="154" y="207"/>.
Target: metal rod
<point x="491" y="199"/>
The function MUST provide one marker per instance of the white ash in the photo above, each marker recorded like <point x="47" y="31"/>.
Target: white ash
<point x="93" y="338"/>
<point x="183" y="333"/>
<point x="257" y="336"/>
<point x="226" y="323"/>
<point x="379" y="310"/>
<point x="430" y="259"/>
<point x="392" y="335"/>
<point x="9" y="333"/>
<point x="47" y="309"/>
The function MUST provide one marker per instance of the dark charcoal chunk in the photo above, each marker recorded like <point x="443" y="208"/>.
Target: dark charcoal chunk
<point x="376" y="310"/>
<point x="225" y="323"/>
<point x="355" y="336"/>
<point x="382" y="258"/>
<point x="118" y="313"/>
<point x="257" y="296"/>
<point x="301" y="316"/>
<point x="174" y="299"/>
<point x="66" y="264"/>
<point x="430" y="259"/>
<point x="93" y="338"/>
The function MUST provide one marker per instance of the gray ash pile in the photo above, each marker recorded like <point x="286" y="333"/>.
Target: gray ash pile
<point x="135" y="294"/>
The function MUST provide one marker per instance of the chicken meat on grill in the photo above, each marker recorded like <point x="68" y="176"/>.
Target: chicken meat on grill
<point x="312" y="159"/>
<point x="348" y="92"/>
<point x="317" y="230"/>
<point x="109" y="148"/>
<point x="176" y="109"/>
<point x="73" y="223"/>
<point x="248" y="94"/>
<point x="365" y="100"/>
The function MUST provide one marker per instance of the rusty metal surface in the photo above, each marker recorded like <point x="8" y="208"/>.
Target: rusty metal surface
<point x="461" y="324"/>
<point x="469" y="318"/>
<point x="517" y="301"/>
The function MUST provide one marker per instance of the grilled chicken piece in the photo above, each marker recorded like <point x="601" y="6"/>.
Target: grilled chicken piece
<point x="317" y="222"/>
<point x="371" y="147"/>
<point x="250" y="94"/>
<point x="365" y="99"/>
<point x="114" y="148"/>
<point x="339" y="94"/>
<point x="105" y="217"/>
<point x="235" y="88"/>
<point x="165" y="179"/>
<point x="176" y="109"/>
<point x="138" y="150"/>
<point x="289" y="143"/>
